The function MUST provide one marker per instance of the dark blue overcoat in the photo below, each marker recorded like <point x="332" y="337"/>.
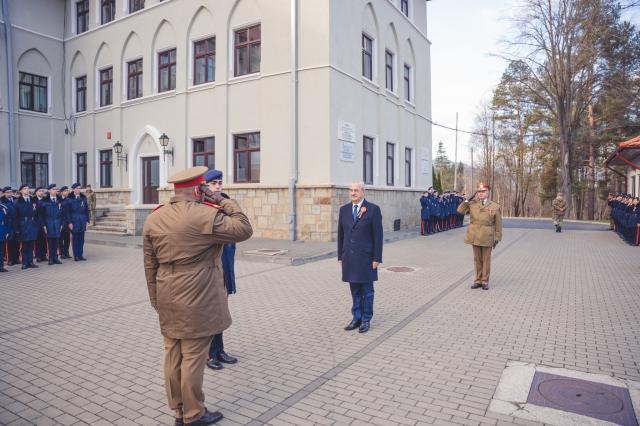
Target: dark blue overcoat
<point x="426" y="207"/>
<point x="5" y="222"/>
<point x="360" y="243"/>
<point x="228" y="268"/>
<point x="77" y="212"/>
<point x="26" y="219"/>
<point x="52" y="216"/>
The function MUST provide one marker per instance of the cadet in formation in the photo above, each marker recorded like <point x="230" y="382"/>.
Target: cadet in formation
<point x="217" y="354"/>
<point x="182" y="243"/>
<point x="11" y="244"/>
<point x="438" y="212"/>
<point x="26" y="219"/>
<point x="559" y="205"/>
<point x="53" y="218"/>
<point x="5" y="230"/>
<point x="484" y="232"/>
<point x="64" y="243"/>
<point x="41" y="240"/>
<point x="625" y="214"/>
<point x="77" y="217"/>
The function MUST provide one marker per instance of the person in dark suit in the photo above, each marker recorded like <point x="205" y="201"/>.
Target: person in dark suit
<point x="5" y="230"/>
<point x="360" y="253"/>
<point x="26" y="214"/>
<point x="41" y="241"/>
<point x="64" y="242"/>
<point x="52" y="214"/>
<point x="77" y="218"/>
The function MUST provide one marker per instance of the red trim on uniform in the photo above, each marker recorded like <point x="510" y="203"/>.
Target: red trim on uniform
<point x="638" y="235"/>
<point x="157" y="207"/>
<point x="188" y="184"/>
<point x="211" y="205"/>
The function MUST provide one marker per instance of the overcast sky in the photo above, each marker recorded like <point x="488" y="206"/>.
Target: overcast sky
<point x="464" y="35"/>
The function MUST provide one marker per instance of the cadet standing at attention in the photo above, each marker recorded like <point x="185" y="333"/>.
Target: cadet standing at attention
<point x="484" y="232"/>
<point x="182" y="243"/>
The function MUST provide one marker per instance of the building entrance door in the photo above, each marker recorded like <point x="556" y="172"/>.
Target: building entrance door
<point x="150" y="179"/>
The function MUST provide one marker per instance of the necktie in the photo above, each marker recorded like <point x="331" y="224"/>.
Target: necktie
<point x="54" y="200"/>
<point x="355" y="211"/>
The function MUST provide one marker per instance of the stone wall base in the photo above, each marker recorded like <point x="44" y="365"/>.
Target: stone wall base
<point x="317" y="209"/>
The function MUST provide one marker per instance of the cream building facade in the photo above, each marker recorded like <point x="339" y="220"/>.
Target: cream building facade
<point x="291" y="99"/>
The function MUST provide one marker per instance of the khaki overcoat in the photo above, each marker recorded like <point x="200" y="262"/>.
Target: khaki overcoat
<point x="486" y="222"/>
<point x="182" y="243"/>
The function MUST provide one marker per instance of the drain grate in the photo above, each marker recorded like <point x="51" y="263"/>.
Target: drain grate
<point x="400" y="269"/>
<point x="597" y="400"/>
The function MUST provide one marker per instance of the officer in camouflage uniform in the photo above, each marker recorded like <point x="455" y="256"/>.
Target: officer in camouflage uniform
<point x="559" y="205"/>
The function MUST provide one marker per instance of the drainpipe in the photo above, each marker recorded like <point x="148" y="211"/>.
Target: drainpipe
<point x="8" y="39"/>
<point x="294" y="121"/>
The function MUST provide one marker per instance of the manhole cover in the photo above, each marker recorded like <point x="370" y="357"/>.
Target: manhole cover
<point x="400" y="269"/>
<point x="597" y="400"/>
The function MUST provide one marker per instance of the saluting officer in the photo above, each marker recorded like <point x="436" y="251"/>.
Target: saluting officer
<point x="5" y="230"/>
<point x="182" y="243"/>
<point x="77" y="218"/>
<point x="484" y="232"/>
<point x="65" y="235"/>
<point x="53" y="218"/>
<point x="27" y="225"/>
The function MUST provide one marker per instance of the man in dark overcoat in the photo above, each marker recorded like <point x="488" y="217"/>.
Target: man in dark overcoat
<point x="26" y="214"/>
<point x="360" y="253"/>
<point x="77" y="217"/>
<point x="52" y="213"/>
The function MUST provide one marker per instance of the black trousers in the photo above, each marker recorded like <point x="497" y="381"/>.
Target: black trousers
<point x="53" y="249"/>
<point x="65" y="242"/>
<point x="13" y="252"/>
<point x="41" y="245"/>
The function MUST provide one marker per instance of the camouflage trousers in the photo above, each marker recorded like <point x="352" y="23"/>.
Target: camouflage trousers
<point x="557" y="219"/>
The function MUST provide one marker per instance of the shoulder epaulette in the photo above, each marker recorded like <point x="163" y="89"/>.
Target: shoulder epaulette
<point x="157" y="207"/>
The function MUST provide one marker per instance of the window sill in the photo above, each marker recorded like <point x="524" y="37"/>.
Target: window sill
<point x="80" y="114"/>
<point x="370" y="83"/>
<point x="201" y="86"/>
<point x="252" y="76"/>
<point x="34" y="113"/>
<point x="392" y="94"/>
<point x="411" y="104"/>
<point x="104" y="108"/>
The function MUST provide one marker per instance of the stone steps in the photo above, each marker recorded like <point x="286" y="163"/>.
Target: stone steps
<point x="113" y="221"/>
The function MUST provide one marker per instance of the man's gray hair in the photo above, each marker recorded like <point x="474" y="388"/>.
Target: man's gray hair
<point x="358" y="183"/>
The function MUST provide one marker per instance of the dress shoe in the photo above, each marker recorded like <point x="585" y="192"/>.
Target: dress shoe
<point x="33" y="266"/>
<point x="65" y="256"/>
<point x="353" y="325"/>
<point x="559" y="228"/>
<point x="81" y="258"/>
<point x="50" y="262"/>
<point x="44" y="259"/>
<point x="364" y="327"/>
<point x="476" y="285"/>
<point x="227" y="359"/>
<point x="214" y="364"/>
<point x="485" y="286"/>
<point x="4" y="270"/>
<point x="75" y="259"/>
<point x="25" y="267"/>
<point x="57" y="262"/>
<point x="208" y="418"/>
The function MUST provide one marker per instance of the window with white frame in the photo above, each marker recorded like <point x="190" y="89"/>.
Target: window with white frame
<point x="106" y="86"/>
<point x="404" y="7"/>
<point x="82" y="16"/>
<point x="367" y="57"/>
<point x="167" y="70"/>
<point x="81" y="93"/>
<point x="391" y="151"/>
<point x="247" y="50"/>
<point x="407" y="82"/>
<point x="204" y="61"/>
<point x="33" y="92"/>
<point x="388" y="70"/>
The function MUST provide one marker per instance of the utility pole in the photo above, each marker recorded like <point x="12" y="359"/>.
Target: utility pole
<point x="455" y="164"/>
<point x="471" y="170"/>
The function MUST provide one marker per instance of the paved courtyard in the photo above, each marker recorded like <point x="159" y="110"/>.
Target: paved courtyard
<point x="80" y="344"/>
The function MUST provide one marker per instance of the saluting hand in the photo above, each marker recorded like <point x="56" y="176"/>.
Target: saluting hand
<point x="374" y="265"/>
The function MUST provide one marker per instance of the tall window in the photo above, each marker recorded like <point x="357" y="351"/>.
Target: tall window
<point x="247" y="50"/>
<point x="134" y="79"/>
<point x="247" y="157"/>
<point x="204" y="152"/>
<point x="33" y="92"/>
<point x="81" y="168"/>
<point x="135" y="5"/>
<point x="82" y="16"/>
<point x="204" y="61"/>
<point x="407" y="167"/>
<point x="388" y="70"/>
<point x="404" y="7"/>
<point x="367" y="57"/>
<point x="81" y="93"/>
<point x="106" y="162"/>
<point x="106" y="87"/>
<point x="108" y="11"/>
<point x="407" y="82"/>
<point x="34" y="168"/>
<point x="390" y="163"/>
<point x="367" y="165"/>
<point x="167" y="70"/>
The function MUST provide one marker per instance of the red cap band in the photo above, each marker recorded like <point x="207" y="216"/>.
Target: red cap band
<point x="190" y="183"/>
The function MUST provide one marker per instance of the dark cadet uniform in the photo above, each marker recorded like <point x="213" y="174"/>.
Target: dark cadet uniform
<point x="52" y="212"/>
<point x="64" y="243"/>
<point x="77" y="211"/>
<point x="182" y="244"/>
<point x="5" y="230"/>
<point x="483" y="233"/>
<point x="26" y="215"/>
<point x="41" y="240"/>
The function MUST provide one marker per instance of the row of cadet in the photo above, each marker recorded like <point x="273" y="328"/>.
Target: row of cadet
<point x="43" y="223"/>
<point x="625" y="216"/>
<point x="439" y="211"/>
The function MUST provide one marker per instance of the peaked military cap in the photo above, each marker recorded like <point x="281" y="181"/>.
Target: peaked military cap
<point x="75" y="185"/>
<point x="212" y="175"/>
<point x="53" y="185"/>
<point x="63" y="188"/>
<point x="24" y="185"/>
<point x="483" y="187"/>
<point x="188" y="178"/>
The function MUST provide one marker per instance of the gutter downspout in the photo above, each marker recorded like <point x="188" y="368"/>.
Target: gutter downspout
<point x="294" y="121"/>
<point x="8" y="38"/>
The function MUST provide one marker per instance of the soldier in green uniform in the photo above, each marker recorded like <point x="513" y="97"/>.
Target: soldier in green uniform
<point x="559" y="205"/>
<point x="484" y="232"/>
<point x="91" y="201"/>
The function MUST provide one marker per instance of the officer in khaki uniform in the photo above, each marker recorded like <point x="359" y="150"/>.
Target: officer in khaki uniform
<point x="559" y="205"/>
<point x="183" y="243"/>
<point x="484" y="232"/>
